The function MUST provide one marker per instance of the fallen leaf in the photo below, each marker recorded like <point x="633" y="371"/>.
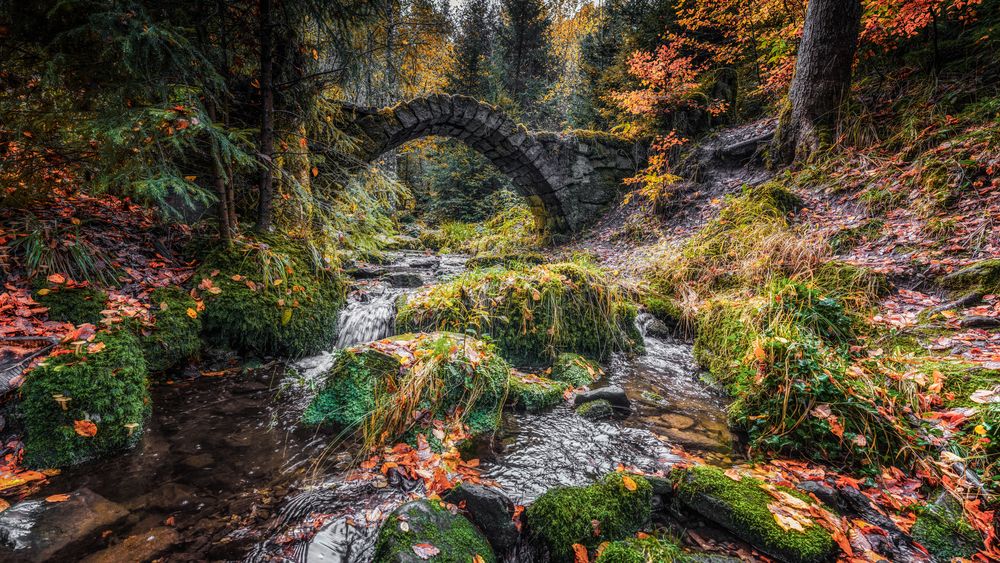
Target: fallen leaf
<point x="425" y="550"/>
<point x="57" y="498"/>
<point x="629" y="483"/>
<point x="580" y="554"/>
<point x="192" y="313"/>
<point x="85" y="428"/>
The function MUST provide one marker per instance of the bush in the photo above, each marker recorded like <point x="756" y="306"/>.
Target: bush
<point x="378" y="387"/>
<point x="72" y="304"/>
<point x="104" y="388"/>
<point x="269" y="296"/>
<point x="532" y="314"/>
<point x="174" y="337"/>
<point x="563" y="516"/>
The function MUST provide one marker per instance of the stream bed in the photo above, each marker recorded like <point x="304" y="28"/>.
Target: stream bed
<point x="226" y="472"/>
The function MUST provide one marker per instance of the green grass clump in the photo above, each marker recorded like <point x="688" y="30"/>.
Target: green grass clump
<point x="564" y="516"/>
<point x="575" y="370"/>
<point x="369" y="388"/>
<point x="426" y="522"/>
<point x="534" y="393"/>
<point x="641" y="550"/>
<point x="269" y="296"/>
<point x="943" y="530"/>
<point x="741" y="507"/>
<point x="105" y="383"/>
<point x="533" y="313"/>
<point x="174" y="337"/>
<point x="76" y="305"/>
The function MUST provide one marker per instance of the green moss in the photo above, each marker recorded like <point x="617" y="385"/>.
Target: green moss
<point x="105" y="383"/>
<point x="76" y="305"/>
<point x="848" y="238"/>
<point x="983" y="276"/>
<point x="662" y="308"/>
<point x="426" y="522"/>
<point x="368" y="385"/>
<point x="595" y="410"/>
<point x="741" y="507"/>
<point x="534" y="393"/>
<point x="943" y="530"/>
<point x="174" y="338"/>
<point x="532" y="314"/>
<point x="645" y="550"/>
<point x="575" y="370"/>
<point x="508" y="260"/>
<point x="269" y="297"/>
<point x="564" y="516"/>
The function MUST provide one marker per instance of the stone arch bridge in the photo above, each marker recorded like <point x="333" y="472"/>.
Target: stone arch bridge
<point x="569" y="178"/>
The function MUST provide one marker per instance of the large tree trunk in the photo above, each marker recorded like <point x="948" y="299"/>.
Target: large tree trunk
<point x="266" y="140"/>
<point x="822" y="78"/>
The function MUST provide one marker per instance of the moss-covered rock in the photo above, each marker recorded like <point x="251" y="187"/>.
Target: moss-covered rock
<point x="507" y="260"/>
<point x="983" y="276"/>
<point x="596" y="410"/>
<point x="641" y="550"/>
<point x="575" y="370"/>
<point x="103" y="386"/>
<point x="534" y="393"/>
<point x="443" y="536"/>
<point x="370" y="385"/>
<point x="269" y="296"/>
<point x="942" y="529"/>
<point x="174" y="338"/>
<point x="532" y="314"/>
<point x="620" y="504"/>
<point x="741" y="507"/>
<point x="72" y="304"/>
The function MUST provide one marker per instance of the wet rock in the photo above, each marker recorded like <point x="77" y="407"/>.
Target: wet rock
<point x="612" y="394"/>
<point x="140" y="547"/>
<point x="596" y="410"/>
<point x="404" y="279"/>
<point x="655" y="328"/>
<point x="490" y="510"/>
<point x="696" y="440"/>
<point x="825" y="493"/>
<point x="39" y="530"/>
<point x="741" y="508"/>
<point x="428" y="262"/>
<point x="419" y="522"/>
<point x="678" y="421"/>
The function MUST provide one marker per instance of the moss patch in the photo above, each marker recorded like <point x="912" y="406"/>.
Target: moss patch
<point x="269" y="296"/>
<point x="943" y="530"/>
<point x="534" y="393"/>
<point x="595" y="410"/>
<point x="507" y="260"/>
<point x="641" y="550"/>
<point x="575" y="370"/>
<point x="174" y="337"/>
<point x="983" y="276"/>
<point x="426" y="522"/>
<point x="76" y="305"/>
<point x="532" y="314"/>
<point x="104" y="385"/>
<point x="564" y="516"/>
<point x="741" y="507"/>
<point x="379" y="386"/>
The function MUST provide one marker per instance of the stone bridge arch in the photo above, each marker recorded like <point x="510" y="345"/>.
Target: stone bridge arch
<point x="569" y="178"/>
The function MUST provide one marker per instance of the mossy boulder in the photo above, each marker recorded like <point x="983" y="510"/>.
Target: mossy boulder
<point x="174" y="338"/>
<point x="982" y="276"/>
<point x="72" y="304"/>
<point x="103" y="385"/>
<point x="596" y="410"/>
<point x="532" y="314"/>
<point x="534" y="393"/>
<point x="575" y="369"/>
<point x="269" y="296"/>
<point x="942" y="529"/>
<point x="648" y="549"/>
<point x="741" y="507"/>
<point x="505" y="259"/>
<point x="438" y="534"/>
<point x="436" y="374"/>
<point x="620" y="505"/>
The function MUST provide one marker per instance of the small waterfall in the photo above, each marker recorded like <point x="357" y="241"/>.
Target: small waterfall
<point x="365" y="321"/>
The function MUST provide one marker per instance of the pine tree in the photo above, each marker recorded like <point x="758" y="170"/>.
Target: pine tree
<point x="475" y="33"/>
<point x="523" y="55"/>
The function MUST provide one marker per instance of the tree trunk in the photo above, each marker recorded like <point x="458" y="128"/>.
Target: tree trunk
<point x="220" y="181"/>
<point x="266" y="140"/>
<point x="822" y="78"/>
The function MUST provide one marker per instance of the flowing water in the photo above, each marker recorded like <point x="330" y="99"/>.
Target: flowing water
<point x="225" y="463"/>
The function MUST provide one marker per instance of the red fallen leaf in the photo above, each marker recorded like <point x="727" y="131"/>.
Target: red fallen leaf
<point x="425" y="550"/>
<point x="85" y="428"/>
<point x="517" y="516"/>
<point x="57" y="278"/>
<point x="57" y="498"/>
<point x="580" y="554"/>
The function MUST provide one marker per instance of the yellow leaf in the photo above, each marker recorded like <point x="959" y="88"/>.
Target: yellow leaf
<point x="629" y="483"/>
<point x="980" y="429"/>
<point x="286" y="316"/>
<point x="192" y="313"/>
<point x="44" y="291"/>
<point x="164" y="306"/>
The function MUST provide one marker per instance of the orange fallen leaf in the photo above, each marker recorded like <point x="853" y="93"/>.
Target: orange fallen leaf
<point x="580" y="554"/>
<point x="57" y="278"/>
<point x="629" y="483"/>
<point x="192" y="313"/>
<point x="57" y="498"/>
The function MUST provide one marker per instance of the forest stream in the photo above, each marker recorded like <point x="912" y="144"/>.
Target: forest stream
<point x="227" y="463"/>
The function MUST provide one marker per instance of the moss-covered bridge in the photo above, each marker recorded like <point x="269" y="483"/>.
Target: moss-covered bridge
<point x="569" y="178"/>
